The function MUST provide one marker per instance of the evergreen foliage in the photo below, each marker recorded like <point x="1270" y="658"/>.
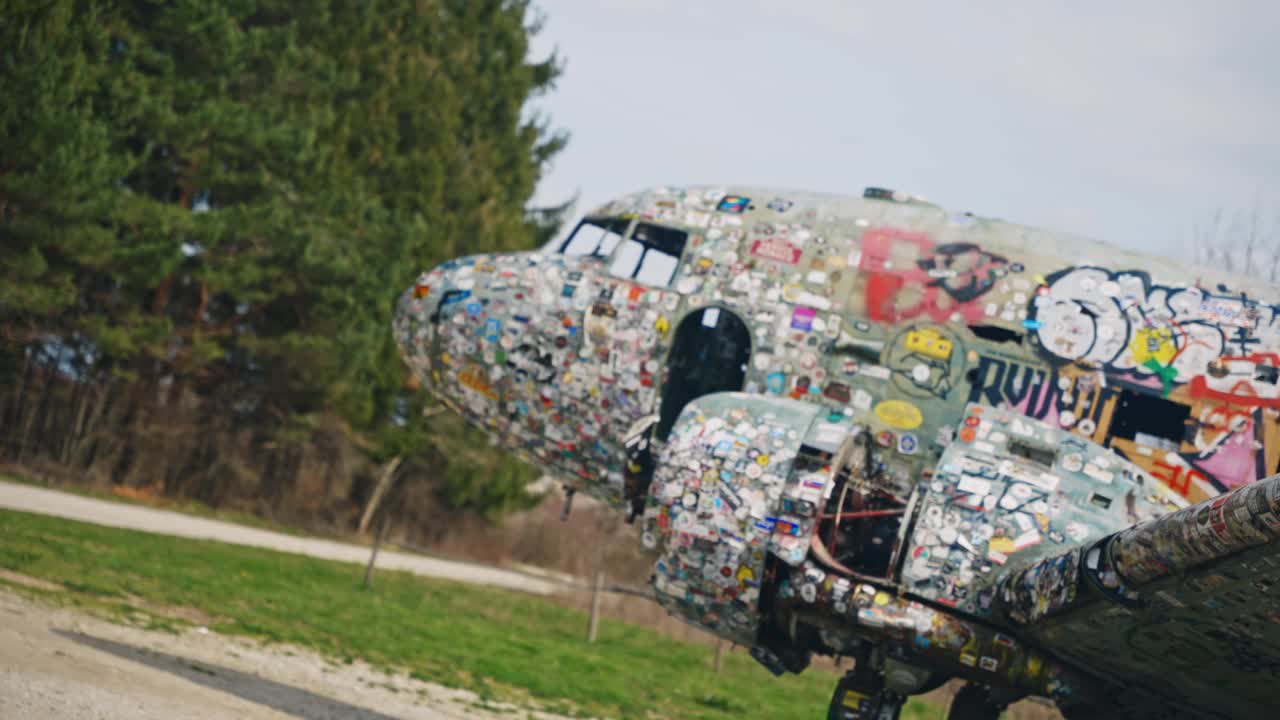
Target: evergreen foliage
<point x="228" y="196"/>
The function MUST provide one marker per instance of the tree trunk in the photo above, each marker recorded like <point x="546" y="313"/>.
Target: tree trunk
<point x="20" y="402"/>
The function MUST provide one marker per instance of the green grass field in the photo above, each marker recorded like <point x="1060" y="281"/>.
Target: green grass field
<point x="503" y="645"/>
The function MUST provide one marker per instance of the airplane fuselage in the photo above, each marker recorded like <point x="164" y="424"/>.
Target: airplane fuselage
<point x="860" y="425"/>
<point x="895" y="312"/>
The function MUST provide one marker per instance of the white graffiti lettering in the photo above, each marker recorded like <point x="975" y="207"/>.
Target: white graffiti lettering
<point x="1122" y="322"/>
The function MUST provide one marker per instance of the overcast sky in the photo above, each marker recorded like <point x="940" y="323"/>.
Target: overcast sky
<point x="1124" y="121"/>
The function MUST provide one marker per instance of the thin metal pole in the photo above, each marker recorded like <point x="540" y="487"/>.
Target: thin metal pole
<point x="373" y="556"/>
<point x="593" y="623"/>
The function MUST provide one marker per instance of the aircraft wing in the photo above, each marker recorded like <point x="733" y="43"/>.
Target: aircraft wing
<point x="1178" y="616"/>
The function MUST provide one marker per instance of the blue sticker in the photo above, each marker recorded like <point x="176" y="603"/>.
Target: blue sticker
<point x="733" y="204"/>
<point x="908" y="444"/>
<point x="455" y="296"/>
<point x="776" y="382"/>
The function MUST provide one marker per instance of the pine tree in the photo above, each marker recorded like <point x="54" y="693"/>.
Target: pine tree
<point x="228" y="197"/>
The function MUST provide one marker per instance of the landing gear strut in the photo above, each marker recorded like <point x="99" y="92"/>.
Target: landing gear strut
<point x="974" y="702"/>
<point x="639" y="467"/>
<point x="861" y="695"/>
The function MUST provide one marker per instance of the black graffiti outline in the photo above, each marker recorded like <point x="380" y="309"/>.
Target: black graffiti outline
<point x="1001" y="388"/>
<point x="976" y="288"/>
<point x="1250" y="308"/>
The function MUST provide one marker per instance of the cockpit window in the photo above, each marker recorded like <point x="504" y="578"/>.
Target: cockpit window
<point x="650" y="256"/>
<point x="596" y="237"/>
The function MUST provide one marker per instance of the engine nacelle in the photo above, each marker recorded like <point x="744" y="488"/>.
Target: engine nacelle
<point x="740" y="477"/>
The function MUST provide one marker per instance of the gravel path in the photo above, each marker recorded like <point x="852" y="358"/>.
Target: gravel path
<point x="104" y="512"/>
<point x="57" y="664"/>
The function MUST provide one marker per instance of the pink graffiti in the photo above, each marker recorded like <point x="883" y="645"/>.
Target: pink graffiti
<point x="1225" y="442"/>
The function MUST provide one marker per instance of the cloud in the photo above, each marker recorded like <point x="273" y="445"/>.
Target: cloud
<point x="1139" y="79"/>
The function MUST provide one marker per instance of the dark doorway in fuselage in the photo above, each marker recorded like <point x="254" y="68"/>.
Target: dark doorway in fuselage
<point x="709" y="355"/>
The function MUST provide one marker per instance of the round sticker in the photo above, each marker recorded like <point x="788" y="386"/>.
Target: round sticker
<point x="899" y="414"/>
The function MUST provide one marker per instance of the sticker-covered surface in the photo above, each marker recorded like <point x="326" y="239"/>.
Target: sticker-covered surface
<point x="720" y="500"/>
<point x="916" y="633"/>
<point x="1010" y="491"/>
<point x="552" y="358"/>
<point x="1203" y="624"/>
<point x="886" y="306"/>
<point x="989" y="399"/>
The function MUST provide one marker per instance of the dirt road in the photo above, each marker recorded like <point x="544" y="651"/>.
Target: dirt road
<point x="57" y="664"/>
<point x="103" y="512"/>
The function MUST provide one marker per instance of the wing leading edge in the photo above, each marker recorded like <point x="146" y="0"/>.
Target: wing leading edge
<point x="1178" y="616"/>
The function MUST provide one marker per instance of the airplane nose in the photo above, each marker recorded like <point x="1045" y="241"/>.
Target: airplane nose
<point x="416" y="317"/>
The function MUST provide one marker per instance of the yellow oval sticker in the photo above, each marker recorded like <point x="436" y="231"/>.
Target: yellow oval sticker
<point x="899" y="414"/>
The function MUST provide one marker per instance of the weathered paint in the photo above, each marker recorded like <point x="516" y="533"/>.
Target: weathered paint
<point x="852" y="303"/>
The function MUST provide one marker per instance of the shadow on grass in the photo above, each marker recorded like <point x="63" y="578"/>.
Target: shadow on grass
<point x="283" y="698"/>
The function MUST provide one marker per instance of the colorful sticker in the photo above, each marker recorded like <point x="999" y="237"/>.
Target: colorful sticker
<point x="776" y="249"/>
<point x="776" y="382"/>
<point x="802" y="318"/>
<point x="908" y="444"/>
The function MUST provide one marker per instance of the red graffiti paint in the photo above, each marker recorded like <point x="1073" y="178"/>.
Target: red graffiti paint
<point x="1241" y="392"/>
<point x="947" y="279"/>
<point x="1178" y="478"/>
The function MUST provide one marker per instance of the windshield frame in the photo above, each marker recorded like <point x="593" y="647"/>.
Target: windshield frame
<point x="611" y="224"/>
<point x="663" y="245"/>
